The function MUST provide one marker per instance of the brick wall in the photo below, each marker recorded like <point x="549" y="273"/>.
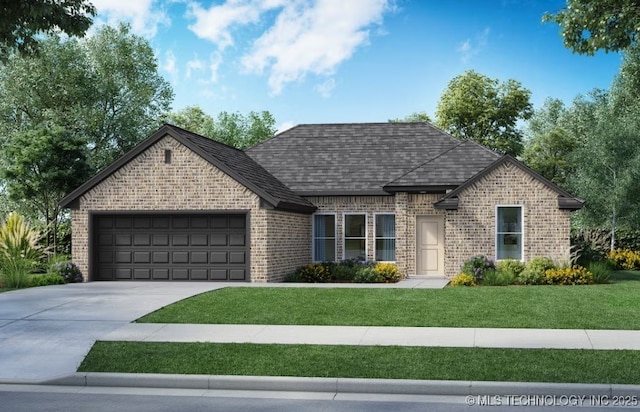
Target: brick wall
<point x="288" y="243"/>
<point x="188" y="183"/>
<point x="470" y="230"/>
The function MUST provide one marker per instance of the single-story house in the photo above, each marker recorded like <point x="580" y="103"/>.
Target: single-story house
<point x="180" y="206"/>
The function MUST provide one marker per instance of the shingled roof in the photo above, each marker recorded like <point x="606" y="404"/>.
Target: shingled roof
<point x="232" y="161"/>
<point x="369" y="158"/>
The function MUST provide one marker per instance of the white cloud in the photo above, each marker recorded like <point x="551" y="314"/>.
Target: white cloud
<point x="193" y="65"/>
<point x="469" y="49"/>
<point x="325" y="89"/>
<point x="312" y="37"/>
<point x="141" y="14"/>
<point x="169" y="65"/>
<point x="285" y="126"/>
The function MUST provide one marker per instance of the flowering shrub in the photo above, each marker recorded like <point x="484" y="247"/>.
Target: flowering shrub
<point x="576" y="275"/>
<point x="477" y="266"/>
<point x="68" y="270"/>
<point x="387" y="271"/>
<point x="314" y="273"/>
<point x="625" y="258"/>
<point x="463" y="279"/>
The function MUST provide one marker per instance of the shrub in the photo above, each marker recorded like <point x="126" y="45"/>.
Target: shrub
<point x="576" y="275"/>
<point x="19" y="251"/>
<point x="601" y="271"/>
<point x="60" y="265"/>
<point x="534" y="272"/>
<point x="512" y="266"/>
<point x="387" y="271"/>
<point x="477" y="266"/>
<point x="368" y="274"/>
<point x="314" y="273"/>
<point x="463" y="279"/>
<point x="498" y="278"/>
<point x="625" y="259"/>
<point x="46" y="280"/>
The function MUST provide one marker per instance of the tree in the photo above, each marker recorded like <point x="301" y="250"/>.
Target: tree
<point x="22" y="21"/>
<point x="106" y="89"/>
<point x="479" y="108"/>
<point x="590" y="25"/>
<point x="42" y="165"/>
<point x="415" y="117"/>
<point x="234" y="129"/>
<point x="550" y="145"/>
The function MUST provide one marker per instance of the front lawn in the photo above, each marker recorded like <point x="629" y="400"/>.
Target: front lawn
<point x="611" y="306"/>
<point x="391" y="362"/>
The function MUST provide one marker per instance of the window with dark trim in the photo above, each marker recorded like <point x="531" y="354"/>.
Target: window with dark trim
<point x="385" y="235"/>
<point x="509" y="232"/>
<point x="355" y="236"/>
<point x="324" y="238"/>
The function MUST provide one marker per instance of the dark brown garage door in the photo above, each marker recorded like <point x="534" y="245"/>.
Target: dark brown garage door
<point x="170" y="247"/>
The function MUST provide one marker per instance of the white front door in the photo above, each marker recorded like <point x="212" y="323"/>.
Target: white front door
<point x="430" y="245"/>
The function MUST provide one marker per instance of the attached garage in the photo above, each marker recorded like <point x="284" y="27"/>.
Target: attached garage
<point x="198" y="247"/>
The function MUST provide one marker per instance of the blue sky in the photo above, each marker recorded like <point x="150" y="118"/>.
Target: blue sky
<point x="333" y="61"/>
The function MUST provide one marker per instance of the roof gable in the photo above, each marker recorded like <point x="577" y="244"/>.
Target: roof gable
<point x="565" y="199"/>
<point x="366" y="158"/>
<point x="231" y="161"/>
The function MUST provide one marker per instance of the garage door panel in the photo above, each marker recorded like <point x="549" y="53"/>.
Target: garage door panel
<point x="170" y="247"/>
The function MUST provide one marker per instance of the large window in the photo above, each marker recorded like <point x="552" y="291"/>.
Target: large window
<point x="385" y="237"/>
<point x="324" y="238"/>
<point x="355" y="236"/>
<point x="509" y="232"/>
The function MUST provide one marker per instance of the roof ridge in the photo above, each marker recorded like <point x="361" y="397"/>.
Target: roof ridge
<point x="424" y="163"/>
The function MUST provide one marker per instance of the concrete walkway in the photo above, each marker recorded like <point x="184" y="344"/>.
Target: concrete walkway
<point x="384" y="336"/>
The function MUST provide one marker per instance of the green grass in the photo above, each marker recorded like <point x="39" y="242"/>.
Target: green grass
<point x="526" y="365"/>
<point x="610" y="306"/>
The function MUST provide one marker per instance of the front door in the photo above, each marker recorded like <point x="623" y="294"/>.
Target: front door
<point x="430" y="245"/>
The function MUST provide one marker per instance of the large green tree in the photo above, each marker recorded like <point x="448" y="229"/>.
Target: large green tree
<point x="105" y="89"/>
<point x="22" y="21"/>
<point x="234" y="129"/>
<point x="41" y="166"/>
<point x="479" y="108"/>
<point x="415" y="117"/>
<point x="591" y="25"/>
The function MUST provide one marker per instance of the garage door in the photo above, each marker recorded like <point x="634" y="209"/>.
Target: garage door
<point x="170" y="247"/>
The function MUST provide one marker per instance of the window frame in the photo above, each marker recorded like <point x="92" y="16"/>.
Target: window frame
<point x="313" y="236"/>
<point x="344" y="233"/>
<point x="521" y="232"/>
<point x="375" y="236"/>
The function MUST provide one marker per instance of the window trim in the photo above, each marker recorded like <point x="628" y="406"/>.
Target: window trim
<point x="522" y="230"/>
<point x="375" y="237"/>
<point x="366" y="233"/>
<point x="313" y="235"/>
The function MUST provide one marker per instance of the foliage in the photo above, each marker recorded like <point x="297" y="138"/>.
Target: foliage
<point x="388" y="272"/>
<point x="463" y="279"/>
<point x="233" y="129"/>
<point x="477" y="266"/>
<point x="498" y="278"/>
<point x="415" y="117"/>
<point x="576" y="275"/>
<point x="23" y="22"/>
<point x="368" y="274"/>
<point x="601" y="271"/>
<point x="18" y="240"/>
<point x="512" y="266"/>
<point x="105" y="90"/>
<point x="534" y="273"/>
<point x="482" y="109"/>
<point x="625" y="259"/>
<point x="47" y="279"/>
<point x="590" y="245"/>
<point x="15" y="273"/>
<point x="41" y="166"/>
<point x="591" y="25"/>
<point x="314" y="273"/>
<point x="66" y="269"/>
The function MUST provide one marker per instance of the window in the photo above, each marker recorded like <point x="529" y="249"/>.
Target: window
<point x="509" y="232"/>
<point x="355" y="236"/>
<point x="324" y="238"/>
<point x="385" y="238"/>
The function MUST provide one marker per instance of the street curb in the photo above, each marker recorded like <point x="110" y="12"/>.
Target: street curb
<point x="343" y="385"/>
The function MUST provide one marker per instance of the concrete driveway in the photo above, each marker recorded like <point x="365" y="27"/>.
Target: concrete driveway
<point x="45" y="332"/>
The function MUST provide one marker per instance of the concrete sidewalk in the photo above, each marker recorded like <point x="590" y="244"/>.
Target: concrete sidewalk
<point x="377" y="335"/>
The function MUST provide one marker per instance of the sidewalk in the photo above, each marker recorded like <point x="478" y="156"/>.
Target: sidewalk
<point x="380" y="335"/>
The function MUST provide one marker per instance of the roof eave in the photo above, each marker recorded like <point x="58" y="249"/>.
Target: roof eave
<point x="439" y="189"/>
<point x="570" y="203"/>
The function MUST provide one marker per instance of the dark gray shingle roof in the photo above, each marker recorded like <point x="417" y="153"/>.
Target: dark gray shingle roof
<point x="365" y="158"/>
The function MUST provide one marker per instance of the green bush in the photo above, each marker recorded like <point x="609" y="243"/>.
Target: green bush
<point x="463" y="279"/>
<point x="477" y="266"/>
<point x="20" y="251"/>
<point x="61" y="265"/>
<point x="46" y="280"/>
<point x="314" y="273"/>
<point x="601" y="271"/>
<point x="498" y="278"/>
<point x="534" y="272"/>
<point x="344" y="272"/>
<point x="513" y="266"/>
<point x="368" y="274"/>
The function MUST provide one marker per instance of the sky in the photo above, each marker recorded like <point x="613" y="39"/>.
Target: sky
<point x="343" y="61"/>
